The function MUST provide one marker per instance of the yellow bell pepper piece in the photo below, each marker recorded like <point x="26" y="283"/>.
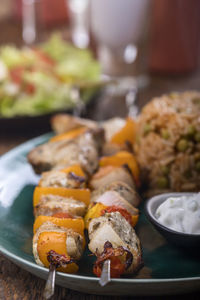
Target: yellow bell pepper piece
<point x="76" y="169"/>
<point x="135" y="220"/>
<point x="93" y="212"/>
<point x="68" y="135"/>
<point x="77" y="224"/>
<point x="126" y="134"/>
<point x="122" y="158"/>
<point x="54" y="241"/>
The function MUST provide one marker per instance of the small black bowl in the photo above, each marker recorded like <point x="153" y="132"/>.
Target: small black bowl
<point x="183" y="240"/>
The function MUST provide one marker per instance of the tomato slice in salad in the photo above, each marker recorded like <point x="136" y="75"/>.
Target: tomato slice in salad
<point x="16" y="75"/>
<point x="44" y="57"/>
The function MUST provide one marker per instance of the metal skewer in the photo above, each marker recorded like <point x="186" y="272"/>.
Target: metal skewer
<point x="79" y="103"/>
<point x="50" y="284"/>
<point x="105" y="274"/>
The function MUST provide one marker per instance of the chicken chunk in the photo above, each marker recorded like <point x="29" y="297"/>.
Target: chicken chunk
<point x="114" y="228"/>
<point x="52" y="204"/>
<point x="82" y="150"/>
<point x="109" y="174"/>
<point x="61" y="179"/>
<point x="123" y="189"/>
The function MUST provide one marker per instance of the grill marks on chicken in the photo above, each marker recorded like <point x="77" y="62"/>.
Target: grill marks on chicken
<point x="110" y="174"/>
<point x="53" y="204"/>
<point x="82" y="150"/>
<point x="124" y="190"/>
<point x="61" y="179"/>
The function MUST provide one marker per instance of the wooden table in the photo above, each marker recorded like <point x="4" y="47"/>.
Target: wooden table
<point x="18" y="284"/>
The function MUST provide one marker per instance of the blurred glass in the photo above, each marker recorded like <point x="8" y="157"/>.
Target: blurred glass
<point x="79" y="22"/>
<point x="40" y="18"/>
<point x="117" y="26"/>
<point x="28" y="21"/>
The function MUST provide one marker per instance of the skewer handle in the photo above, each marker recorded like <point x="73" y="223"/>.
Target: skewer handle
<point x="105" y="274"/>
<point x="50" y="284"/>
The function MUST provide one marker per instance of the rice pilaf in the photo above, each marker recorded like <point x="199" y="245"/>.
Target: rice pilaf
<point x="168" y="143"/>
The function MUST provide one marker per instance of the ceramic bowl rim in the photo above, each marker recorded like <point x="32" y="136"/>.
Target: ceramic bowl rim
<point x="151" y="217"/>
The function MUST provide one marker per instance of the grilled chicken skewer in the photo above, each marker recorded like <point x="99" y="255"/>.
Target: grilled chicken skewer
<point x="60" y="199"/>
<point x="59" y="241"/>
<point x="110" y="222"/>
<point x="57" y="211"/>
<point x="60" y="194"/>
<point x="115" y="193"/>
<point x="114" y="225"/>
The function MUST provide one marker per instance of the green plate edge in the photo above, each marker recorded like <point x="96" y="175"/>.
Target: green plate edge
<point x="137" y="287"/>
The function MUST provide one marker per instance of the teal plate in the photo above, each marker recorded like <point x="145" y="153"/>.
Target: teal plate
<point x="167" y="270"/>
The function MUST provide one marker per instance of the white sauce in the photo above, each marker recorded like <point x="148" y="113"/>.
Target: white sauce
<point x="181" y="214"/>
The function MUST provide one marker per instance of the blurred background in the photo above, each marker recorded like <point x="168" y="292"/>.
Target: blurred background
<point x="143" y="48"/>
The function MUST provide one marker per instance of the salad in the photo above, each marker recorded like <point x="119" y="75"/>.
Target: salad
<point x="39" y="80"/>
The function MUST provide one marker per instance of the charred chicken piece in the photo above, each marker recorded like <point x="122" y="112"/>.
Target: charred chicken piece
<point x="120" y="258"/>
<point x="58" y="260"/>
<point x="113" y="227"/>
